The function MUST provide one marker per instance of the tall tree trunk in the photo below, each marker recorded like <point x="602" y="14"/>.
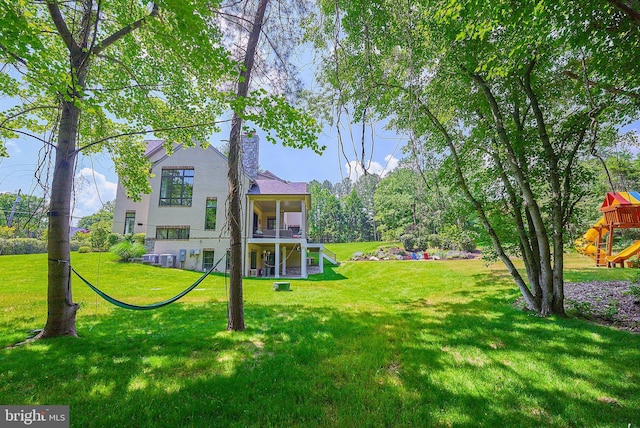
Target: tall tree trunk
<point x="236" y="306"/>
<point x="61" y="316"/>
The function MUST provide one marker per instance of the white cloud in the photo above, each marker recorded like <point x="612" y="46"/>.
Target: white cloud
<point x="13" y="147"/>
<point x="92" y="189"/>
<point x="354" y="169"/>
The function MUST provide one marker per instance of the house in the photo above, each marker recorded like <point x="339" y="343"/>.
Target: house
<point x="184" y="217"/>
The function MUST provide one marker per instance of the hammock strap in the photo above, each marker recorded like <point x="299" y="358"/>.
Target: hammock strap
<point x="125" y="305"/>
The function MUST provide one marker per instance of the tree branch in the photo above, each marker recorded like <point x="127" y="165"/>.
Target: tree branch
<point x="61" y="26"/>
<point x="8" y="118"/>
<point x="126" y="134"/>
<point x="623" y="6"/>
<point x="12" y="55"/>
<point x="123" y="32"/>
<point x="42" y="140"/>
<point x="609" y="88"/>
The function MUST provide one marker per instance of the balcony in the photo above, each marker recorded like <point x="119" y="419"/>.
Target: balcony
<point x="292" y="233"/>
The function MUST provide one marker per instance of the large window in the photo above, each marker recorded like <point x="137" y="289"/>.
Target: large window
<point x="129" y="222"/>
<point x="176" y="187"/>
<point x="172" y="232"/>
<point x="210" y="214"/>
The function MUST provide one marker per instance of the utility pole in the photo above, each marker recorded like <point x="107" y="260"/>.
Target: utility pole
<point x="13" y="209"/>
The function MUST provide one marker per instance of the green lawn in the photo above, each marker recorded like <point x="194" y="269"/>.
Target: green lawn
<point x="397" y="343"/>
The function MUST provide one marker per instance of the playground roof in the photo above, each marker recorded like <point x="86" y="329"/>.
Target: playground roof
<point x="620" y="198"/>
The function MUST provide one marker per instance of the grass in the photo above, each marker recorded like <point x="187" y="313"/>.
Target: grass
<point x="398" y="343"/>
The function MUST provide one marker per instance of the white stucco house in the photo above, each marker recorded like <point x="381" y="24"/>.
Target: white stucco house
<point x="184" y="217"/>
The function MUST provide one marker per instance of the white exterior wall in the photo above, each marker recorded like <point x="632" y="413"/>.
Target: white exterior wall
<point x="209" y="181"/>
<point x="125" y="204"/>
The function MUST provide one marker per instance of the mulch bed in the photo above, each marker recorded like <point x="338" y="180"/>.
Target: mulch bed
<point x="604" y="302"/>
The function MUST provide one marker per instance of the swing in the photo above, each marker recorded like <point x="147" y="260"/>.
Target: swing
<point x="133" y="307"/>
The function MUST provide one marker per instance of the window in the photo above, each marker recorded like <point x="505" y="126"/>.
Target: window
<point x="176" y="187"/>
<point x="254" y="260"/>
<point x="129" y="222"/>
<point x="208" y="259"/>
<point x="170" y="232"/>
<point x="210" y="214"/>
<point x="271" y="223"/>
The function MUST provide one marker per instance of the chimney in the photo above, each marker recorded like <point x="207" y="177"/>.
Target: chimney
<point x="250" y="154"/>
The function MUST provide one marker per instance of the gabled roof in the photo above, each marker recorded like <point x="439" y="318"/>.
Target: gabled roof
<point x="268" y="183"/>
<point x="153" y="146"/>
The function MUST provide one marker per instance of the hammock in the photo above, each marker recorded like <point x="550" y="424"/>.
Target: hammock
<point x="125" y="305"/>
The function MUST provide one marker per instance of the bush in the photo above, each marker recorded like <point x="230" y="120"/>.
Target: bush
<point x="456" y="238"/>
<point x="408" y="241"/>
<point x="127" y="250"/>
<point x="22" y="246"/>
<point x="113" y="239"/>
<point x="433" y="241"/>
<point x="139" y="238"/>
<point x="75" y="245"/>
<point x="84" y="249"/>
<point x="99" y="236"/>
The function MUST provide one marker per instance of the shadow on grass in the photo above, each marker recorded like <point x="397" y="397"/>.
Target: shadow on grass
<point x="469" y="364"/>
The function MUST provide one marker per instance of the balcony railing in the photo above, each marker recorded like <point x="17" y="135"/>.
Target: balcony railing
<point x="283" y="234"/>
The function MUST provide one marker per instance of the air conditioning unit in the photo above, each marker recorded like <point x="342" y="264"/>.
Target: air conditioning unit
<point x="151" y="259"/>
<point x="167" y="260"/>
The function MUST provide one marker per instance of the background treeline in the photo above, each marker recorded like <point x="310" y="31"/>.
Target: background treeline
<point x="420" y="206"/>
<point x="414" y="204"/>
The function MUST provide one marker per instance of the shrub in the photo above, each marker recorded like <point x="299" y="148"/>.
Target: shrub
<point x="634" y="291"/>
<point x="433" y="241"/>
<point x="84" y="249"/>
<point x="7" y="232"/>
<point x="75" y="245"/>
<point x="113" y="239"/>
<point x="456" y="238"/>
<point x="127" y="250"/>
<point x="580" y="309"/>
<point x="139" y="238"/>
<point x="99" y="236"/>
<point x="22" y="246"/>
<point x="611" y="310"/>
<point x="408" y="241"/>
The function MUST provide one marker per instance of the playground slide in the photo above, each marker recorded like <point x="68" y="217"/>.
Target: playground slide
<point x="623" y="255"/>
<point x="592" y="234"/>
<point x="586" y="244"/>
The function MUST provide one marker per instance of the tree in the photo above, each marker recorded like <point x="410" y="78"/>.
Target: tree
<point x="395" y="202"/>
<point x="510" y="95"/>
<point x="93" y="76"/>
<point x="356" y="222"/>
<point x="271" y="112"/>
<point x="365" y="188"/>
<point x="104" y="214"/>
<point x="325" y="217"/>
<point x="26" y="213"/>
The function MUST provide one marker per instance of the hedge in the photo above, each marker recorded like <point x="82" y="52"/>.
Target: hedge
<point x="27" y="246"/>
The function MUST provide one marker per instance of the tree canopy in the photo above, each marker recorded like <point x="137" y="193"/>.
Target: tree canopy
<point x="511" y="97"/>
<point x="87" y="76"/>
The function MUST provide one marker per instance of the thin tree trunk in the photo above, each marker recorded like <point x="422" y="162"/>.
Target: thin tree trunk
<point x="236" y="305"/>
<point x="530" y="299"/>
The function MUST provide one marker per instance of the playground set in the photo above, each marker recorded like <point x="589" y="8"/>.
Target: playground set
<point x="620" y="210"/>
